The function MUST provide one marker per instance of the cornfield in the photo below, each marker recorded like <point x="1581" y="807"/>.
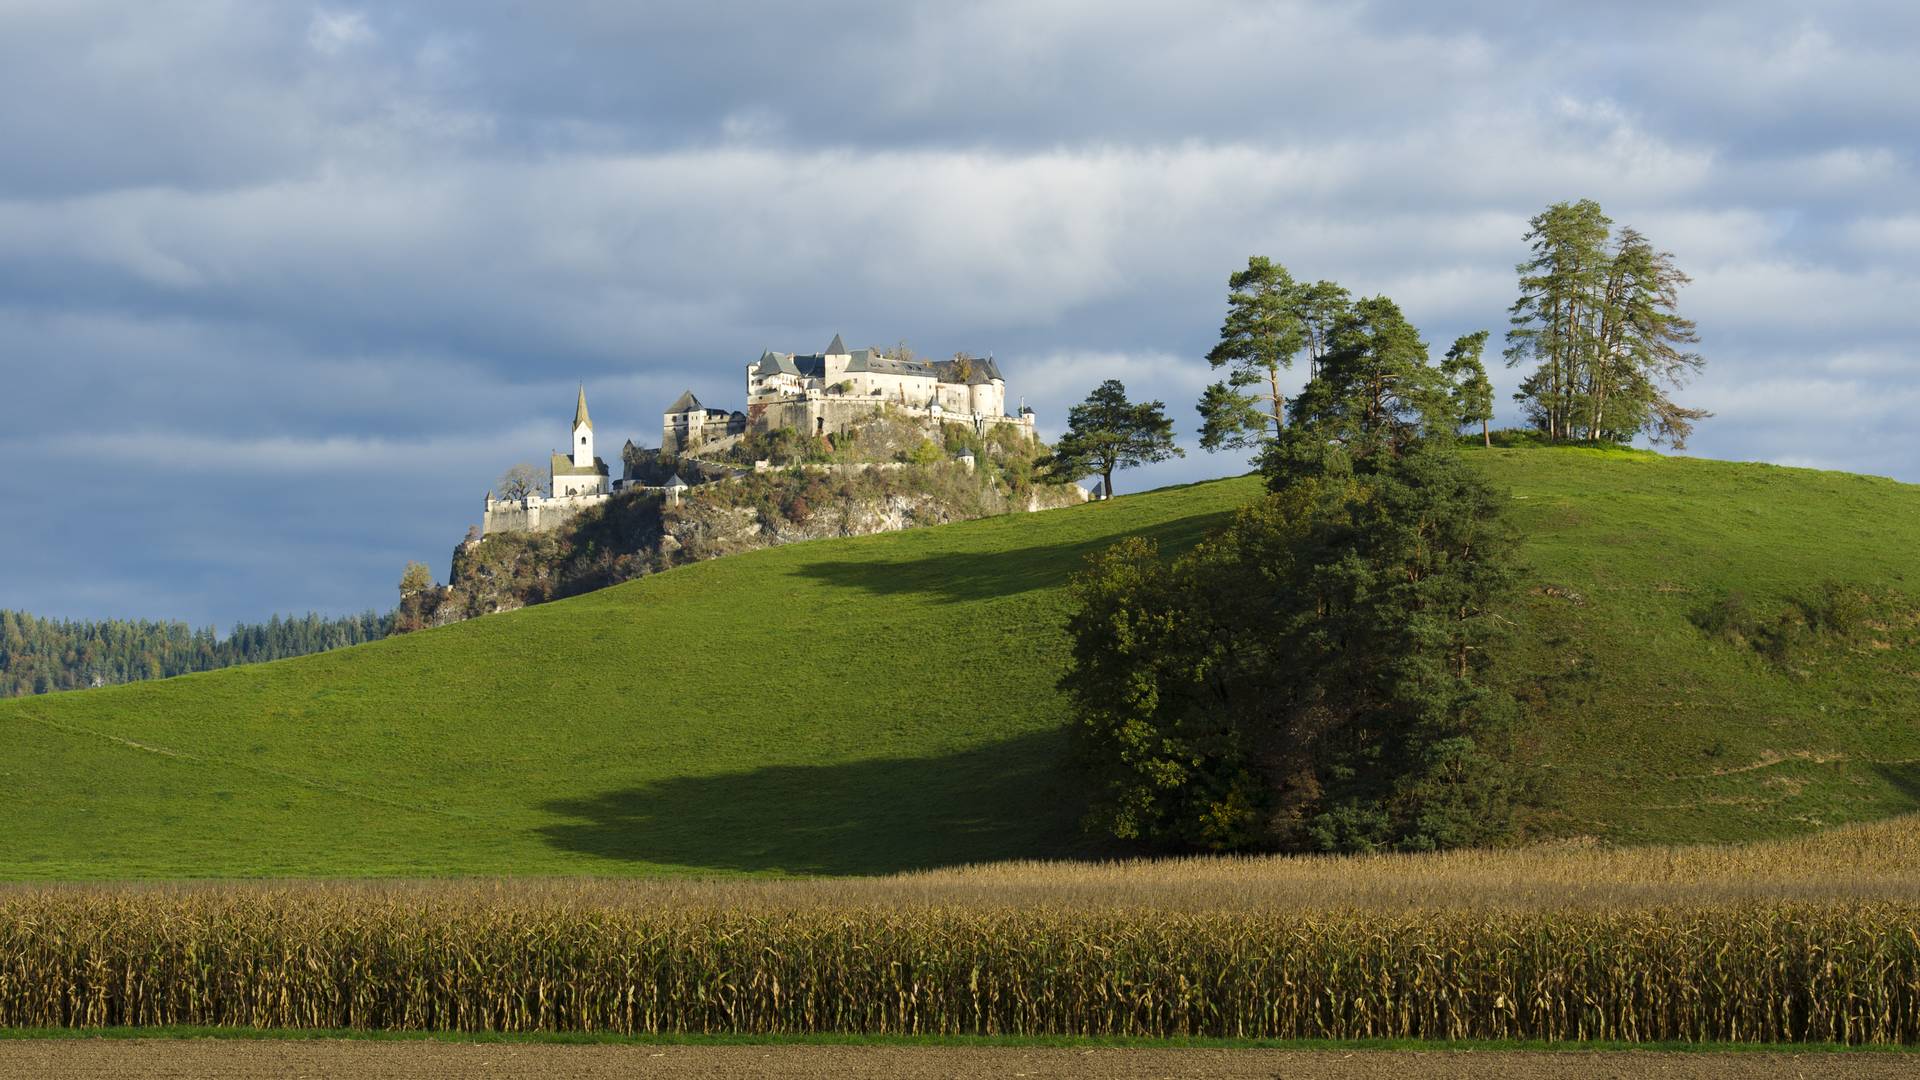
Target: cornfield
<point x="600" y="958"/>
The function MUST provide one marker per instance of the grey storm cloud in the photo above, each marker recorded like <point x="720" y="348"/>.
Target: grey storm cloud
<point x="283" y="287"/>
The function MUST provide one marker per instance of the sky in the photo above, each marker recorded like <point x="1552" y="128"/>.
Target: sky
<point x="284" y="288"/>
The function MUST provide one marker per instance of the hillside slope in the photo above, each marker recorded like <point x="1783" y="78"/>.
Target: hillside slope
<point x="887" y="702"/>
<point x="1653" y="729"/>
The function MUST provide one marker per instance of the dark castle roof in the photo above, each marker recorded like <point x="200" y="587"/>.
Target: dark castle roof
<point x="687" y="403"/>
<point x="979" y="370"/>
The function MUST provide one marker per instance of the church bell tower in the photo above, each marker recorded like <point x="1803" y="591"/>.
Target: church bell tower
<point x="582" y="433"/>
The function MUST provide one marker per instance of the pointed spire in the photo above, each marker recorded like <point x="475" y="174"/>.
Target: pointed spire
<point x="838" y="348"/>
<point x="580" y="411"/>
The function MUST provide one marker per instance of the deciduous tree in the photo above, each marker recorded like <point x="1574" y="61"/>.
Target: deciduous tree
<point x="521" y="481"/>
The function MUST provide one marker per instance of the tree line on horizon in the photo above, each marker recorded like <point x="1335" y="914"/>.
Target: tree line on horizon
<point x="39" y="655"/>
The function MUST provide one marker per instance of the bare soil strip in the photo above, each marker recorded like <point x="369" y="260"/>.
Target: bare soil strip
<point x="231" y="1059"/>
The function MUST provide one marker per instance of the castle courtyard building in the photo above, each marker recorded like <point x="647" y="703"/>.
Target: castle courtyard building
<point x="823" y="393"/>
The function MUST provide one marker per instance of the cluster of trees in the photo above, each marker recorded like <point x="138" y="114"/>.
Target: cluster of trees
<point x="1598" y="316"/>
<point x="1362" y="354"/>
<point x="38" y="656"/>
<point x="1317" y="675"/>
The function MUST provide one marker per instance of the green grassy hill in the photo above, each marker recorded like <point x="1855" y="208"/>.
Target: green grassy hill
<point x="885" y="703"/>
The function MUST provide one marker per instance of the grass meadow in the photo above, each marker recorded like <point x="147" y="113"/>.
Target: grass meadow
<point x="887" y="703"/>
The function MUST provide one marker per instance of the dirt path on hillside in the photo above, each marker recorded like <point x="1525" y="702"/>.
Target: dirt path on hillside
<point x="73" y="1059"/>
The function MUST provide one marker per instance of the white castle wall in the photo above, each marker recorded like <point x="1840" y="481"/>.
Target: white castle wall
<point x="832" y="415"/>
<point x="534" y="513"/>
<point x="573" y="486"/>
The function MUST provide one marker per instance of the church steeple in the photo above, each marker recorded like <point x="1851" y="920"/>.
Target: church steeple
<point x="580" y="417"/>
<point x="582" y="433"/>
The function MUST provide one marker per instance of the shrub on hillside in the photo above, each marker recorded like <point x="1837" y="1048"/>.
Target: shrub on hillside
<point x="1825" y="615"/>
<point x="1312" y="678"/>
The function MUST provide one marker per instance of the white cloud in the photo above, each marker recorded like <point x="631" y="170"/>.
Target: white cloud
<point x="331" y="33"/>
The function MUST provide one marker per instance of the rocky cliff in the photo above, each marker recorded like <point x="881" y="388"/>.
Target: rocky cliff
<point x="636" y="533"/>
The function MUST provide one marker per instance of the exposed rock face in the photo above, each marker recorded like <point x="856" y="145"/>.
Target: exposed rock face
<point x="706" y="531"/>
<point x="637" y="534"/>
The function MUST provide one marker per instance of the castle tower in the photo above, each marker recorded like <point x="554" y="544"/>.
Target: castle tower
<point x="582" y="433"/>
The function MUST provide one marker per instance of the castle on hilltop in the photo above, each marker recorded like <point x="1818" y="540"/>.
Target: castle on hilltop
<point x="819" y="395"/>
<point x="824" y="393"/>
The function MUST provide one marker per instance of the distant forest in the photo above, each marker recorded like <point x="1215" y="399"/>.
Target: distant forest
<point x="41" y="655"/>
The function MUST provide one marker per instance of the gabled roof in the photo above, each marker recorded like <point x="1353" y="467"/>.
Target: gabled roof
<point x="684" y="403"/>
<point x="580" y="411"/>
<point x="564" y="466"/>
<point x="773" y="363"/>
<point x="836" y="347"/>
<point x="813" y="365"/>
<point x="676" y="482"/>
<point x="980" y="370"/>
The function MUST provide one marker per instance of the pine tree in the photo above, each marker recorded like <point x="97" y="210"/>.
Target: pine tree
<point x="1559" y="288"/>
<point x="1262" y="334"/>
<point x="1229" y="420"/>
<point x="1107" y="432"/>
<point x="1318" y="307"/>
<point x="1601" y="322"/>
<point x="1641" y="347"/>
<point x="1467" y="377"/>
<point x="1376" y="388"/>
<point x="42" y="655"/>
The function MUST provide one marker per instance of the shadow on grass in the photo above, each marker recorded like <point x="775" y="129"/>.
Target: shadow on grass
<point x="1903" y="777"/>
<point x="985" y="575"/>
<point x="1012" y="799"/>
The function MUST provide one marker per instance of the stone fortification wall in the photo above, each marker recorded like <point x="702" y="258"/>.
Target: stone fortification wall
<point x="534" y="513"/>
